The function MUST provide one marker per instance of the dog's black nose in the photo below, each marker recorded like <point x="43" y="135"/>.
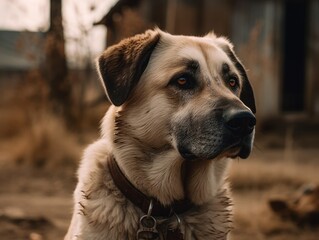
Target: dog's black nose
<point x="239" y="122"/>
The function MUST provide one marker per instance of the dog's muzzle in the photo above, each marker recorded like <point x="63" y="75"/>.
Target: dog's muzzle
<point x="227" y="132"/>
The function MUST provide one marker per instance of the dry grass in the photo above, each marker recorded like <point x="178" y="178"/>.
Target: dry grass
<point x="30" y="134"/>
<point x="43" y="142"/>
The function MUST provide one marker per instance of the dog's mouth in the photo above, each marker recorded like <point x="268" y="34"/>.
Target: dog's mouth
<point x="232" y="152"/>
<point x="240" y="148"/>
<point x="242" y="151"/>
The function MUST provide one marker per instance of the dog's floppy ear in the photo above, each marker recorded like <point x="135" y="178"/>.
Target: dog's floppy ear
<point x="247" y="94"/>
<point x="121" y="66"/>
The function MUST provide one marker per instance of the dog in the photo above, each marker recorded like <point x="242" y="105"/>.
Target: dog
<point x="303" y="210"/>
<point x="182" y="108"/>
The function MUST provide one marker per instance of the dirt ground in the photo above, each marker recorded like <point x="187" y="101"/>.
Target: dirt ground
<point x="34" y="204"/>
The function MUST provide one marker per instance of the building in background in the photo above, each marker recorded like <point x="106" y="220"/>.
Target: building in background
<point x="278" y="42"/>
<point x="20" y="52"/>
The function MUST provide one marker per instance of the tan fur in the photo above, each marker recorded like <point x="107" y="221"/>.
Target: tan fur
<point x="137" y="134"/>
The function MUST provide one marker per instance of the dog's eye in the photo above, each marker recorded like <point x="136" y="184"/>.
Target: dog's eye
<point x="184" y="82"/>
<point x="233" y="82"/>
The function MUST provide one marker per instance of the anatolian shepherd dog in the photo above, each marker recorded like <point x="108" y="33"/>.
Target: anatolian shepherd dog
<point x="182" y="108"/>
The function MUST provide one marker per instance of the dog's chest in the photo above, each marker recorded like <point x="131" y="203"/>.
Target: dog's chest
<point x="121" y="221"/>
<point x="108" y="214"/>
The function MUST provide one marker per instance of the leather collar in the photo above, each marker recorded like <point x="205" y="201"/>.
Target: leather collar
<point x="142" y="201"/>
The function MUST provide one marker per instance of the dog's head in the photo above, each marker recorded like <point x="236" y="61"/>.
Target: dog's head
<point x="190" y="93"/>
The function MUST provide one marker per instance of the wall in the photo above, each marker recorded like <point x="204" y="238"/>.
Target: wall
<point x="256" y="36"/>
<point x="312" y="96"/>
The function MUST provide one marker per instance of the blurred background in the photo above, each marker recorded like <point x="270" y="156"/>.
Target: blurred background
<point x="51" y="104"/>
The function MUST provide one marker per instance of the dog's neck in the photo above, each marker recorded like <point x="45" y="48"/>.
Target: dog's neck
<point x="161" y="172"/>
